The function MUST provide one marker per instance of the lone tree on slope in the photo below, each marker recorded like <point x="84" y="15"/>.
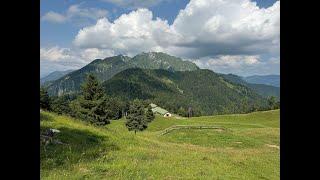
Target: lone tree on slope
<point x="149" y="114"/>
<point x="90" y="106"/>
<point x="91" y="88"/>
<point x="136" y="120"/>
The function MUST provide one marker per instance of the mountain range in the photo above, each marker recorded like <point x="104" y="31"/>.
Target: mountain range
<point x="205" y="91"/>
<point x="54" y="76"/>
<point x="272" y="80"/>
<point x="106" y="68"/>
<point x="169" y="82"/>
<point x="262" y="89"/>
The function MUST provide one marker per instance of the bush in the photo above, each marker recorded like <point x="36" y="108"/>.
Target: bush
<point x="44" y="99"/>
<point x="60" y="105"/>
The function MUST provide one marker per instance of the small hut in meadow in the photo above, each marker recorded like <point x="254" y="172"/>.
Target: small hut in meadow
<point x="158" y="110"/>
<point x="167" y="114"/>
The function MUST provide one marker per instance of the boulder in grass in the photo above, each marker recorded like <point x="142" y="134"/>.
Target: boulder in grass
<point x="54" y="130"/>
<point x="47" y="137"/>
<point x="51" y="132"/>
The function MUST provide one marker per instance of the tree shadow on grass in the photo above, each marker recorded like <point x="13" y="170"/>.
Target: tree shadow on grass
<point x="45" y="117"/>
<point x="79" y="146"/>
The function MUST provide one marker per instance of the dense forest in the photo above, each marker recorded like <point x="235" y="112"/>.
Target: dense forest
<point x="99" y="102"/>
<point x="203" y="90"/>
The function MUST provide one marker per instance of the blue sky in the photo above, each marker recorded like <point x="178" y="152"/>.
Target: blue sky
<point x="63" y="46"/>
<point x="63" y="34"/>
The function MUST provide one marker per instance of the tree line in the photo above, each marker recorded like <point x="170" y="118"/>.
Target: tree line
<point x="94" y="106"/>
<point x="204" y="91"/>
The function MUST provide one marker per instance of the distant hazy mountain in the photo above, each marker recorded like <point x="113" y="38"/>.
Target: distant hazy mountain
<point x="54" y="76"/>
<point x="108" y="67"/>
<point x="204" y="90"/>
<point x="273" y="80"/>
<point x="262" y="89"/>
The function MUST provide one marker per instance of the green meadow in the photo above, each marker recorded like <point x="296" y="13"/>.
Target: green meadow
<point x="246" y="147"/>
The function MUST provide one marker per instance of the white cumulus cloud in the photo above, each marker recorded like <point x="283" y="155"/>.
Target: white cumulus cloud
<point x="212" y="27"/>
<point x="58" y="58"/>
<point x="129" y="34"/>
<point x="75" y="13"/>
<point x="239" y="64"/>
<point x="54" y="17"/>
<point x="94" y="53"/>
<point x="233" y="61"/>
<point x="75" y="56"/>
<point x="223" y="35"/>
<point x="55" y="54"/>
<point x="203" y="28"/>
<point x="135" y="3"/>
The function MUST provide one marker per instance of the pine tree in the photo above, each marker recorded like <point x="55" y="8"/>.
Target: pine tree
<point x="60" y="104"/>
<point x="99" y="114"/>
<point x="44" y="99"/>
<point x="136" y="120"/>
<point x="91" y="88"/>
<point x="91" y="105"/>
<point x="149" y="114"/>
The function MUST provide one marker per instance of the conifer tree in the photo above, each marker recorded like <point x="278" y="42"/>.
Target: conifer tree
<point x="99" y="113"/>
<point x="149" y="114"/>
<point x="136" y="120"/>
<point x="91" y="88"/>
<point x="44" y="99"/>
<point x="91" y="105"/>
<point x="60" y="104"/>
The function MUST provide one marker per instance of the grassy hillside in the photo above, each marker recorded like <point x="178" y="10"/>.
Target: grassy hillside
<point x="246" y="149"/>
